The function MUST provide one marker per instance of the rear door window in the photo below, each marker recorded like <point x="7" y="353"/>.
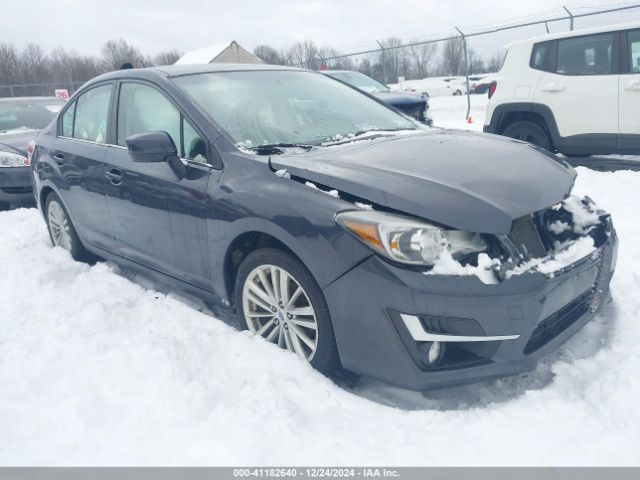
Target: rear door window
<point x="588" y="55"/>
<point x="92" y="114"/>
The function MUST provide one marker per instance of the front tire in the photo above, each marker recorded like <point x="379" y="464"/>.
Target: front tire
<point x="61" y="230"/>
<point x="530" y="132"/>
<point x="278" y="299"/>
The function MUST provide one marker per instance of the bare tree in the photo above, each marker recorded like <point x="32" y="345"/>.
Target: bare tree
<point x="167" y="57"/>
<point x="269" y="55"/>
<point x="39" y="72"/>
<point x="453" y="57"/>
<point x="365" y="67"/>
<point x="495" y="62"/>
<point x="327" y="60"/>
<point x="118" y="52"/>
<point x="422" y="58"/>
<point x="33" y="64"/>
<point x="393" y="60"/>
<point x="9" y="64"/>
<point x="303" y="53"/>
<point x="476" y="63"/>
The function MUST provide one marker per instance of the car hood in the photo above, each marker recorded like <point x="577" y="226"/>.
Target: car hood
<point x="464" y="180"/>
<point x="16" y="141"/>
<point x="401" y="99"/>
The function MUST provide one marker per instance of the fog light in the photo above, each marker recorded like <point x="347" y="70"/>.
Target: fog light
<point x="435" y="352"/>
<point x="430" y="354"/>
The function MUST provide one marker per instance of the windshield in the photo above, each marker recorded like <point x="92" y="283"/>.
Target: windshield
<point x="361" y="81"/>
<point x="287" y="107"/>
<point x="22" y="115"/>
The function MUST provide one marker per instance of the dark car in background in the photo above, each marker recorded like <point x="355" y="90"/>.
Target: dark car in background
<point x="415" y="105"/>
<point x="326" y="222"/>
<point x="481" y="84"/>
<point x="20" y="121"/>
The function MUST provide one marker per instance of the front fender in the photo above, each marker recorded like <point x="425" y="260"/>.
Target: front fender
<point x="304" y="224"/>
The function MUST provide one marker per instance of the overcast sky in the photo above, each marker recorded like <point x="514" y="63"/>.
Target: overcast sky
<point x="154" y="25"/>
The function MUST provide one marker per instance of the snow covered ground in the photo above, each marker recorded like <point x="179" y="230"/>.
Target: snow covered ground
<point x="98" y="370"/>
<point x="450" y="111"/>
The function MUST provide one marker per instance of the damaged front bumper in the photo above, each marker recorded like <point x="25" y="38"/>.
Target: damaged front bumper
<point x="519" y="319"/>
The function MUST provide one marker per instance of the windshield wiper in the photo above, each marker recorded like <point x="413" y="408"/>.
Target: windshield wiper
<point x="277" y="148"/>
<point x="362" y="135"/>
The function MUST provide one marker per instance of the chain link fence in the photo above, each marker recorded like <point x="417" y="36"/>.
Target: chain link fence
<point x="460" y="54"/>
<point x="37" y="89"/>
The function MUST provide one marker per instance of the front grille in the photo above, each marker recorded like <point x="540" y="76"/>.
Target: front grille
<point x="557" y="323"/>
<point x="16" y="190"/>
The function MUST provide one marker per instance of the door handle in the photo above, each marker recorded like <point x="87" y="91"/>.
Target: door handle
<point x="553" y="87"/>
<point x="114" y="176"/>
<point x="59" y="157"/>
<point x="633" y="84"/>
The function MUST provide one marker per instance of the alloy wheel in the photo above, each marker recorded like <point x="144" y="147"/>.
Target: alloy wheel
<point x="59" y="225"/>
<point x="276" y="307"/>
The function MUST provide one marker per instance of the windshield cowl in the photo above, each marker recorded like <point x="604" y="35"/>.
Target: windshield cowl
<point x="280" y="148"/>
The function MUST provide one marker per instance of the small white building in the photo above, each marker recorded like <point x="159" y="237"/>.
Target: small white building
<point x="220" y="53"/>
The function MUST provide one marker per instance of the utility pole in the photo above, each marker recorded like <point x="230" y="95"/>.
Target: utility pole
<point x="466" y="69"/>
<point x="384" y="62"/>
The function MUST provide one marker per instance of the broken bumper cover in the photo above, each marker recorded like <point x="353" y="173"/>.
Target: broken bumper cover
<point x="536" y="312"/>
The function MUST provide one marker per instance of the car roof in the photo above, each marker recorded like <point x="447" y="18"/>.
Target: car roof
<point x="578" y="33"/>
<point x="29" y="99"/>
<point x="171" y="71"/>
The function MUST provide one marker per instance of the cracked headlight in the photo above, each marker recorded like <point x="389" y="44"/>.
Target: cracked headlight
<point x="407" y="240"/>
<point x="8" y="159"/>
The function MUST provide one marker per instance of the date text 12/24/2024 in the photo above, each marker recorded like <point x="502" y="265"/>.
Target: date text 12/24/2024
<point x="316" y="472"/>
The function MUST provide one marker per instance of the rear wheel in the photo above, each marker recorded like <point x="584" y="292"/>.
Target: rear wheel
<point x="4" y="206"/>
<point x="278" y="299"/>
<point x="61" y="230"/>
<point x="529" y="132"/>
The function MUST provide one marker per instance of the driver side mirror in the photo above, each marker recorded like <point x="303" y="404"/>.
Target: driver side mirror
<point x="151" y="147"/>
<point x="156" y="147"/>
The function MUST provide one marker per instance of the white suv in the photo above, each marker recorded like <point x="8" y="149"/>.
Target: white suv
<point x="577" y="93"/>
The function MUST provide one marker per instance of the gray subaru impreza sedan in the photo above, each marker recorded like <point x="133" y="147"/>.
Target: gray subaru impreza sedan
<point x="326" y="222"/>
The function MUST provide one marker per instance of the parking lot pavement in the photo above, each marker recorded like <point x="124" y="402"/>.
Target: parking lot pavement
<point x="606" y="163"/>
